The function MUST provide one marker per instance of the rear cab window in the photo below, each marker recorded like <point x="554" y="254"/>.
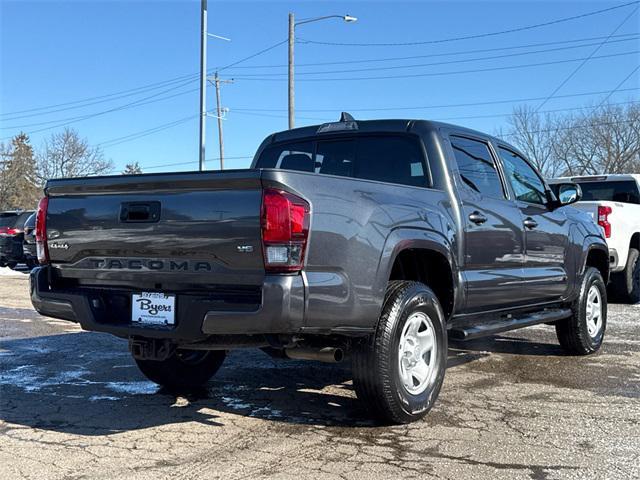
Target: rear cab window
<point x="397" y="159"/>
<point x="624" y="191"/>
<point x="8" y="219"/>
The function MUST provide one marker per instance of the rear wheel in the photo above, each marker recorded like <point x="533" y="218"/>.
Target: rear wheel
<point x="398" y="373"/>
<point x="184" y="368"/>
<point x="583" y="332"/>
<point x="12" y="265"/>
<point x="625" y="285"/>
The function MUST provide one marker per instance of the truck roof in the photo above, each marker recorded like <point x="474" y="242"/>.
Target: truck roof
<point x="607" y="177"/>
<point x="371" y="126"/>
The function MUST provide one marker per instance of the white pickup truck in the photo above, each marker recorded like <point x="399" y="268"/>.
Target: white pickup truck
<point x="614" y="203"/>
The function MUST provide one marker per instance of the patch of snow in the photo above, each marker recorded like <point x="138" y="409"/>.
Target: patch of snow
<point x="7" y="272"/>
<point x="99" y="398"/>
<point x="235" y="403"/>
<point x="24" y="377"/>
<point x="133" y="388"/>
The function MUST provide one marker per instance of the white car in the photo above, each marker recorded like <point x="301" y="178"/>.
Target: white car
<point x="613" y="201"/>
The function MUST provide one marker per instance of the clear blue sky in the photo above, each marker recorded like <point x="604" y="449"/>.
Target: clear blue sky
<point x="54" y="52"/>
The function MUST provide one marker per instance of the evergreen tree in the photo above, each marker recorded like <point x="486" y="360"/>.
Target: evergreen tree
<point x="132" y="169"/>
<point x="19" y="188"/>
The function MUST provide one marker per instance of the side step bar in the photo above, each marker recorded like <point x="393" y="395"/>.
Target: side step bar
<point x="492" y="327"/>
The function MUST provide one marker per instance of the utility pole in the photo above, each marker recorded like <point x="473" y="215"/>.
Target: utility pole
<point x="203" y="80"/>
<point x="220" y="115"/>
<point x="292" y="40"/>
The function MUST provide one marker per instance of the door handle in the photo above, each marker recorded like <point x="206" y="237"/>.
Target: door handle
<point x="477" y="218"/>
<point x="530" y="223"/>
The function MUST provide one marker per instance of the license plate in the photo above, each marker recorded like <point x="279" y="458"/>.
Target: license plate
<point x="152" y="308"/>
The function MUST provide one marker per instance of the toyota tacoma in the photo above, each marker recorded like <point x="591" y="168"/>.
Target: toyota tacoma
<point x="374" y="241"/>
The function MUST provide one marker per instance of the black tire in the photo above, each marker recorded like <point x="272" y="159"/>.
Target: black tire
<point x="625" y="285"/>
<point x="376" y="362"/>
<point x="12" y="265"/>
<point x="184" y="369"/>
<point x="573" y="333"/>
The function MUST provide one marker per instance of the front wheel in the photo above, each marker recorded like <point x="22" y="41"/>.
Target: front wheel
<point x="583" y="332"/>
<point x="184" y="368"/>
<point x="398" y="373"/>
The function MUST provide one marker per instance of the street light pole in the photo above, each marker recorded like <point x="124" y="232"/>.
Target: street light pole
<point x="203" y="79"/>
<point x="292" y="41"/>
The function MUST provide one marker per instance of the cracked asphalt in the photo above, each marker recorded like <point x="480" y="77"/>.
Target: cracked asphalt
<point x="73" y="405"/>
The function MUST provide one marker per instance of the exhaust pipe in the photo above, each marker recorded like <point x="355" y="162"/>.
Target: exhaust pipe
<point x="327" y="354"/>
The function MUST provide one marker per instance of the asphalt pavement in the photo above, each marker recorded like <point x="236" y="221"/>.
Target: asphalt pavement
<point x="73" y="405"/>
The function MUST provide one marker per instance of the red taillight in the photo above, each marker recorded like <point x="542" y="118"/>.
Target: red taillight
<point x="603" y="219"/>
<point x="41" y="231"/>
<point x="285" y="227"/>
<point x="9" y="232"/>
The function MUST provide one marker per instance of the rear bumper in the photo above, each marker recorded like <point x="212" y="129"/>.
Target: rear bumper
<point x="279" y="308"/>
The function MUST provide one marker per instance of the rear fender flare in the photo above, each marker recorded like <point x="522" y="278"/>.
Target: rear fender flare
<point x="414" y="238"/>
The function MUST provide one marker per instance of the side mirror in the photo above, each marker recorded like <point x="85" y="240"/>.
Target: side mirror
<point x="569" y="193"/>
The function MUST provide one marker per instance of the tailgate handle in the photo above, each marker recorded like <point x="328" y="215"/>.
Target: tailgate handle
<point x="140" y="212"/>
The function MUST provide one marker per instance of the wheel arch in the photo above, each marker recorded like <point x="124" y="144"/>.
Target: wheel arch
<point x="597" y="256"/>
<point x="424" y="256"/>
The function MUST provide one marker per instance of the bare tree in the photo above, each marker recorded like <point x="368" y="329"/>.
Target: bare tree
<point x="65" y="154"/>
<point x="535" y="135"/>
<point x="595" y="141"/>
<point x="604" y="140"/>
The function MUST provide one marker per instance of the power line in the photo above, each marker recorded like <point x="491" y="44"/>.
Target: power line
<point x="435" y="74"/>
<point x="69" y="120"/>
<point x="470" y="117"/>
<point x="105" y="98"/>
<point x="577" y="127"/>
<point x="131" y="91"/>
<point x="619" y="85"/>
<point x="591" y="55"/>
<point x="476" y="36"/>
<point x="251" y="56"/>
<point x="143" y="133"/>
<point x="627" y="36"/>
<point x="452" y="105"/>
<point x="466" y="117"/>
<point x="449" y="62"/>
<point x="193" y="162"/>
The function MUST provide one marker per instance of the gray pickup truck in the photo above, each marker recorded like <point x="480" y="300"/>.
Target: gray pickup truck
<point x="375" y="241"/>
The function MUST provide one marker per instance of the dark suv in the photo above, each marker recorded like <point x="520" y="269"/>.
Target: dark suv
<point x="12" y="237"/>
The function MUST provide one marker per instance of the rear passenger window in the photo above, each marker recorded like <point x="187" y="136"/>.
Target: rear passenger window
<point x="476" y="167"/>
<point x="391" y="159"/>
<point x="290" y="156"/>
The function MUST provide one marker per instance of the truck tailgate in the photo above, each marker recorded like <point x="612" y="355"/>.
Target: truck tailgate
<point x="193" y="230"/>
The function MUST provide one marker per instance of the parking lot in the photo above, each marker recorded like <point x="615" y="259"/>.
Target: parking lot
<point x="73" y="405"/>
